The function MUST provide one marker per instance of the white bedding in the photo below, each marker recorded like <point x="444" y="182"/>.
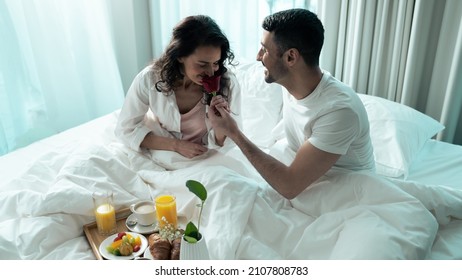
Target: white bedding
<point x="343" y="216"/>
<point x="412" y="209"/>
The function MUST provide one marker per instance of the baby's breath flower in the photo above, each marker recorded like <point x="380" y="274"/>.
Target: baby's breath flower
<point x="168" y="230"/>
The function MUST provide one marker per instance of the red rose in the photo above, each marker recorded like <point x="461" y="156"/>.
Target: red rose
<point x="211" y="84"/>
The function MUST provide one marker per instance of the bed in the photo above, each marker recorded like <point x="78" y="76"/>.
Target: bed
<point x="410" y="209"/>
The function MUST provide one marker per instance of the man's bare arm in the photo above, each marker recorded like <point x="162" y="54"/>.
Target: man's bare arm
<point x="309" y="164"/>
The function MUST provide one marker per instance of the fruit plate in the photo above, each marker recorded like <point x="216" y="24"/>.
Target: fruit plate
<point x="106" y="242"/>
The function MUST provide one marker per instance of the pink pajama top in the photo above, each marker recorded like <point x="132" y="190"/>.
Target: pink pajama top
<point x="193" y="124"/>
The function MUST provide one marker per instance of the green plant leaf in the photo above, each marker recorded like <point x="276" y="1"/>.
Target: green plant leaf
<point x="197" y="188"/>
<point x="191" y="233"/>
<point x="190" y="239"/>
<point x="191" y="230"/>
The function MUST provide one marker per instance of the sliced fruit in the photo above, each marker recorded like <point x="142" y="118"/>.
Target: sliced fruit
<point x="138" y="241"/>
<point x="125" y="249"/>
<point x="110" y="250"/>
<point x="116" y="244"/>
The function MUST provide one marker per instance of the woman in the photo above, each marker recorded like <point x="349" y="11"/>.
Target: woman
<point x="165" y="107"/>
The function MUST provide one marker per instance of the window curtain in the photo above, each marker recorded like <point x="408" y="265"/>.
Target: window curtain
<point x="57" y="68"/>
<point x="408" y="51"/>
<point x="240" y="20"/>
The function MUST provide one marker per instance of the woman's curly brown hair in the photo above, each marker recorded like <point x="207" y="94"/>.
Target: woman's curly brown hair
<point x="192" y="32"/>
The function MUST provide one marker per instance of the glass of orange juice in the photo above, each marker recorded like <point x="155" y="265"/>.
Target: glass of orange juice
<point x="166" y="210"/>
<point x="104" y="212"/>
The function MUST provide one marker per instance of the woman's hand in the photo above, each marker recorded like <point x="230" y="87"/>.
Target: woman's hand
<point x="222" y="121"/>
<point x="189" y="149"/>
<point x="184" y="148"/>
<point x="218" y="102"/>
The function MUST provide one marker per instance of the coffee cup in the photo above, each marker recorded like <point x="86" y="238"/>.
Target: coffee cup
<point x="144" y="212"/>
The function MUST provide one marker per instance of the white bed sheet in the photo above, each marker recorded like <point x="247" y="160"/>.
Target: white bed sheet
<point x="46" y="199"/>
<point x="15" y="163"/>
<point x="440" y="163"/>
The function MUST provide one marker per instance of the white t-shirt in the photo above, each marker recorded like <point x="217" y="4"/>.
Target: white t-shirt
<point x="333" y="119"/>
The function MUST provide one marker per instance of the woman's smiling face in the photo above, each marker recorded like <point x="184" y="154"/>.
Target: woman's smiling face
<point x="204" y="61"/>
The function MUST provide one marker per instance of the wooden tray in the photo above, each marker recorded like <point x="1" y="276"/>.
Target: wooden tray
<point x="95" y="239"/>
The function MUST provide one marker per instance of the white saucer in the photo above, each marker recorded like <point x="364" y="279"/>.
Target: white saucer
<point x="139" y="228"/>
<point x="147" y="254"/>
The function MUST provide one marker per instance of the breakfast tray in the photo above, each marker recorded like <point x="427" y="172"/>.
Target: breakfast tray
<point x="95" y="239"/>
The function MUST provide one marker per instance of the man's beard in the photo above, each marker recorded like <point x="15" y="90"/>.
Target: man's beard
<point x="278" y="71"/>
<point x="269" y="79"/>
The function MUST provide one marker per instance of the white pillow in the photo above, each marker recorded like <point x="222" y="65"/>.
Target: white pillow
<point x="398" y="133"/>
<point x="261" y="104"/>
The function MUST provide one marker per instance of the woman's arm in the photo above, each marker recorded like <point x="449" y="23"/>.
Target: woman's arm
<point x="185" y="148"/>
<point x="130" y="128"/>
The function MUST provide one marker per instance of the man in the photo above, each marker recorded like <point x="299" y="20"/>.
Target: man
<point x="325" y="122"/>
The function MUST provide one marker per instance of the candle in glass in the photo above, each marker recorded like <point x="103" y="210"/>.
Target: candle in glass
<point x="166" y="210"/>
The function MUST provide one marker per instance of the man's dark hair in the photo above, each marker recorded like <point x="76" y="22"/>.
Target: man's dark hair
<point x="299" y="29"/>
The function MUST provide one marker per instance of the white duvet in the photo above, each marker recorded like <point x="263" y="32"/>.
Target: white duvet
<point x="342" y="216"/>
